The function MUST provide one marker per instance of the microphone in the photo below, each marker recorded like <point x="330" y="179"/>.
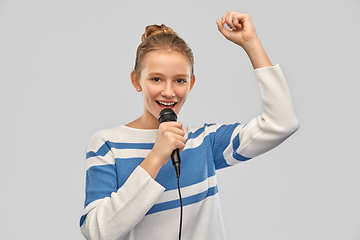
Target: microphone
<point x="167" y="115"/>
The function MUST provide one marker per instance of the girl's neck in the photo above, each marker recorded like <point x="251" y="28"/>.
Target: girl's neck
<point x="144" y="122"/>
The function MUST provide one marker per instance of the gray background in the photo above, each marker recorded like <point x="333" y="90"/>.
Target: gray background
<point x="64" y="71"/>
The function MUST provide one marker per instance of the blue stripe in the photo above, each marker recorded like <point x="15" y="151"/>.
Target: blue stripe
<point x="236" y="142"/>
<point x="100" y="182"/>
<point x="131" y="145"/>
<point x="222" y="164"/>
<point x="102" y="151"/>
<point x="236" y="145"/>
<point x="106" y="147"/>
<point x="186" y="201"/>
<point x="196" y="166"/>
<point x="82" y="219"/>
<point x="221" y="140"/>
<point x="240" y="157"/>
<point x="124" y="168"/>
<point x="91" y="154"/>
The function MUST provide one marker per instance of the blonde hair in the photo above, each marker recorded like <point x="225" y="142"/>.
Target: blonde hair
<point x="159" y="37"/>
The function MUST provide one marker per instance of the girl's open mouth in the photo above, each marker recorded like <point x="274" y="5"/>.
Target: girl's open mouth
<point x="163" y="105"/>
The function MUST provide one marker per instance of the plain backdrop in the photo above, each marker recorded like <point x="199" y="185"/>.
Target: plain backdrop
<point x="64" y="74"/>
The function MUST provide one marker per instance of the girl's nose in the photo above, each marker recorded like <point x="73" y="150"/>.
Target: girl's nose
<point x="168" y="91"/>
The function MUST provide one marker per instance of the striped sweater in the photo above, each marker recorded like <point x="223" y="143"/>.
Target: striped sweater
<point x="124" y="202"/>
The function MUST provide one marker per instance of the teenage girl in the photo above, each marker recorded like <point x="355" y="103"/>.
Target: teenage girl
<point x="131" y="188"/>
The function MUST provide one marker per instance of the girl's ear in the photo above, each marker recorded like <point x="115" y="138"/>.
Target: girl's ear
<point x="192" y="82"/>
<point x="135" y="81"/>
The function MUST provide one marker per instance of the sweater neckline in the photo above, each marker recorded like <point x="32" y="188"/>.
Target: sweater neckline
<point x="144" y="132"/>
<point x="138" y="128"/>
<point x="130" y="129"/>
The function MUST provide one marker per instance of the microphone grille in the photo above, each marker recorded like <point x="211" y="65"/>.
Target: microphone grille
<point x="167" y="115"/>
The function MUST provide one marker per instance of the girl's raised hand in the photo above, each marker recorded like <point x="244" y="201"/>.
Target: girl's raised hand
<point x="242" y="30"/>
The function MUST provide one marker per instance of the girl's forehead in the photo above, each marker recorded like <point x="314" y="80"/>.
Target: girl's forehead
<point x="166" y="61"/>
<point x="164" y="53"/>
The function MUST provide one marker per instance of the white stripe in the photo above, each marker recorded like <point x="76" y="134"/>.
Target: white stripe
<point x="99" y="161"/>
<point x="189" y="190"/>
<point x="130" y="153"/>
<point x="119" y="153"/>
<point x="195" y="142"/>
<point x="210" y="227"/>
<point x="92" y="205"/>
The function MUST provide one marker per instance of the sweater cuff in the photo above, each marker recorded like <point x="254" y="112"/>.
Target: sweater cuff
<point x="140" y="177"/>
<point x="145" y="175"/>
<point x="138" y="194"/>
<point x="274" y="66"/>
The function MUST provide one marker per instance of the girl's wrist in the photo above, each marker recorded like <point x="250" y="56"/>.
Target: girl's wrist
<point x="257" y="54"/>
<point x="252" y="45"/>
<point x="151" y="164"/>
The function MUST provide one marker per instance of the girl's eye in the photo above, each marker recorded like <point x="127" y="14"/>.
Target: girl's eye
<point x="155" y="79"/>
<point x="180" y="80"/>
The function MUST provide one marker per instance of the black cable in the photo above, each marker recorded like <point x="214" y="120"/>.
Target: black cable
<point x="181" y="207"/>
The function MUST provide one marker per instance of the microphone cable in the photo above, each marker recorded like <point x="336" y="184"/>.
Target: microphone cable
<point x="181" y="206"/>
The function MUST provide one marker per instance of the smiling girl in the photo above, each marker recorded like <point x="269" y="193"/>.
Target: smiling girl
<point x="131" y="190"/>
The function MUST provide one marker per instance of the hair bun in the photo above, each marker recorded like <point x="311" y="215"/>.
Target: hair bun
<point x="152" y="30"/>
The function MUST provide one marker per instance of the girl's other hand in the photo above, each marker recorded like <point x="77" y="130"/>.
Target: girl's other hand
<point x="242" y="31"/>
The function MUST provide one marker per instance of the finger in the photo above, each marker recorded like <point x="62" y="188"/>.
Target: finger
<point x="174" y="135"/>
<point x="180" y="145"/>
<point x="171" y="124"/>
<point x="229" y="17"/>
<point x="244" y="19"/>
<point x="176" y="141"/>
<point x="172" y="128"/>
<point x="236" y="22"/>
<point x="181" y="140"/>
<point x="219" y="25"/>
<point x="223" y="19"/>
<point x="222" y="29"/>
<point x="181" y="149"/>
<point x="179" y="132"/>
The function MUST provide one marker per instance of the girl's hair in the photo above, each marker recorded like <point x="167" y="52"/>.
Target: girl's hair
<point x="161" y="38"/>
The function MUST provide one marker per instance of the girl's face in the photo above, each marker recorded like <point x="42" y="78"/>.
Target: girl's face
<point x="165" y="82"/>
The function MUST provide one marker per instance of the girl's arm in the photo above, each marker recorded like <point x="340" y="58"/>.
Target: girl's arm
<point x="278" y="120"/>
<point x="243" y="34"/>
<point x="111" y="212"/>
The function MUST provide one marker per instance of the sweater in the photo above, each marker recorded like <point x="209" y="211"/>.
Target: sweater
<point x="124" y="202"/>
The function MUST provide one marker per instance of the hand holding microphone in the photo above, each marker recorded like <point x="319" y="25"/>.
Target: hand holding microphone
<point x="169" y="138"/>
<point x="168" y="115"/>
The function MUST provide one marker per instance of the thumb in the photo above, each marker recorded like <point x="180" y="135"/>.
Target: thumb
<point x="222" y="29"/>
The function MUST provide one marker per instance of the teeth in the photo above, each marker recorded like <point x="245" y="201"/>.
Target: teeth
<point x="167" y="103"/>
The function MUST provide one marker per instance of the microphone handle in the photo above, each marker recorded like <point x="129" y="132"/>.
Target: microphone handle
<point x="175" y="158"/>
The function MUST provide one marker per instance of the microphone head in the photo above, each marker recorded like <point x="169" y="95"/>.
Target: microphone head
<point x="167" y="115"/>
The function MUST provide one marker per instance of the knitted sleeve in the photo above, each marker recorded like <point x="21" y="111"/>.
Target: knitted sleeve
<point x="110" y="213"/>
<point x="235" y="143"/>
